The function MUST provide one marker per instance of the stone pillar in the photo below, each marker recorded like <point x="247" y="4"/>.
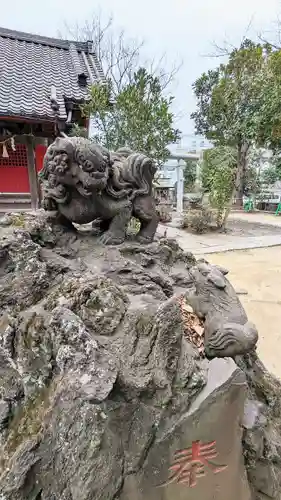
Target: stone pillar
<point x="198" y="182"/>
<point x="181" y="165"/>
<point x="32" y="174"/>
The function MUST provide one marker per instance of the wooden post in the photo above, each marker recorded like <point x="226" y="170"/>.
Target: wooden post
<point x="32" y="174"/>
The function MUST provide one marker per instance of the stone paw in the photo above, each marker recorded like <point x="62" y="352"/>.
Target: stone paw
<point x="111" y="239"/>
<point x="144" y="239"/>
<point x="96" y="231"/>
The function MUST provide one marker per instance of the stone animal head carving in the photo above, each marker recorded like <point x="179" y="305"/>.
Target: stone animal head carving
<point x="227" y="330"/>
<point x="230" y="339"/>
<point x="76" y="162"/>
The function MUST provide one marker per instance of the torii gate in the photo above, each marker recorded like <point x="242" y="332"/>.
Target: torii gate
<point x="180" y="157"/>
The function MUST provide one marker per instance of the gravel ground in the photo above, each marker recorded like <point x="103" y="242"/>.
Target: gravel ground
<point x="245" y="228"/>
<point x="258" y="272"/>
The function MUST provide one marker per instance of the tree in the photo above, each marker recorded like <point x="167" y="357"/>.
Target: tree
<point x="252" y="181"/>
<point x="133" y="108"/>
<point x="218" y="175"/>
<point x="229" y="105"/>
<point x="121" y="56"/>
<point x="269" y="123"/>
<point x="189" y="174"/>
<point x="270" y="176"/>
<point x="140" y="117"/>
<point x="273" y="172"/>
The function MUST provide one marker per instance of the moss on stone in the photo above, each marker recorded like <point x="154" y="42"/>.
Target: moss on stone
<point x="28" y="420"/>
<point x="134" y="226"/>
<point x="17" y="220"/>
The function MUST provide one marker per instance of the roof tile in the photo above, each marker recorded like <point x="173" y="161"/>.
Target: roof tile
<point x="30" y="65"/>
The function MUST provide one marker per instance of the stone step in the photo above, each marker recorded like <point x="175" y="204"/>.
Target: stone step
<point x="14" y="202"/>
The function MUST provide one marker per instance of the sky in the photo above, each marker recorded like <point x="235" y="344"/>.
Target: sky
<point x="185" y="30"/>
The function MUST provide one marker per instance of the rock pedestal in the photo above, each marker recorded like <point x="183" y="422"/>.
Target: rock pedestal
<point x="213" y="425"/>
<point x="104" y="396"/>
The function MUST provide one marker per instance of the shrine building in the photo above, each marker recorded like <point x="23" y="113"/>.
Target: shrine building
<point x="43" y="82"/>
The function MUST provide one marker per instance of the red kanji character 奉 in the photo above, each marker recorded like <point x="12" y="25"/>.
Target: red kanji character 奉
<point x="189" y="464"/>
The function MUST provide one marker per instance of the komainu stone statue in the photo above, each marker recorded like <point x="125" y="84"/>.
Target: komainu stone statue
<point x="85" y="182"/>
<point x="228" y="333"/>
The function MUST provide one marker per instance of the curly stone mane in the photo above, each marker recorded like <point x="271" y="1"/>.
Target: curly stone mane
<point x="89" y="167"/>
<point x="131" y="175"/>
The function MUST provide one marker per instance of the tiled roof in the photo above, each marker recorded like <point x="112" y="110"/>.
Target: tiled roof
<point x="32" y="66"/>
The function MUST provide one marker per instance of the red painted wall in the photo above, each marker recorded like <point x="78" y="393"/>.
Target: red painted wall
<point x="40" y="151"/>
<point x="14" y="170"/>
<point x="14" y="180"/>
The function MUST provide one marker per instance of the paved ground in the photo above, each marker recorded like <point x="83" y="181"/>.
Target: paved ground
<point x="257" y="217"/>
<point x="246" y="231"/>
<point x="255" y="269"/>
<point x="215" y="242"/>
<point x="258" y="271"/>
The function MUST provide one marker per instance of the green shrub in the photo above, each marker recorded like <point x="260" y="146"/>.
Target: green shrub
<point x="164" y="214"/>
<point x="198" y="221"/>
<point x="134" y="225"/>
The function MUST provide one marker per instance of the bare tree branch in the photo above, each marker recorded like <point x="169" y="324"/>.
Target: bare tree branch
<point x="164" y="72"/>
<point x="120" y="55"/>
<point x="272" y="37"/>
<point x="227" y="47"/>
<point x="223" y="50"/>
